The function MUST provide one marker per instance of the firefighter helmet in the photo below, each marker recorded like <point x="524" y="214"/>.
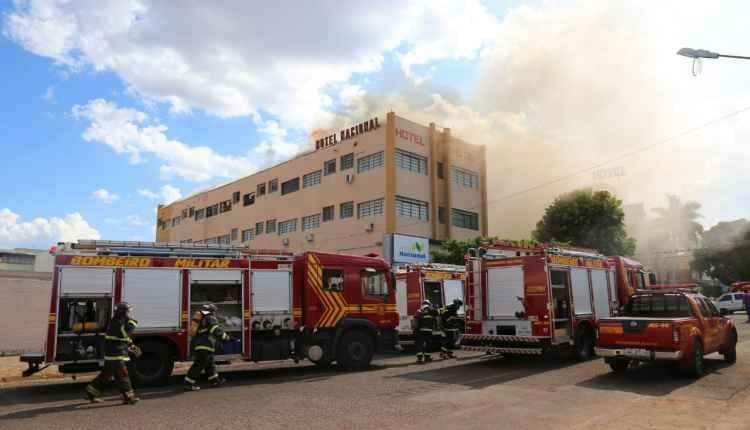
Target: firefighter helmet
<point x="210" y="308"/>
<point x="123" y="309"/>
<point x="426" y="304"/>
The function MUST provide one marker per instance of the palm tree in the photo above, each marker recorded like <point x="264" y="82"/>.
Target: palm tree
<point x="676" y="225"/>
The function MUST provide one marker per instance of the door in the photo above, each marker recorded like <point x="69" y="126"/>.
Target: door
<point x="581" y="293"/>
<point x="454" y="289"/>
<point x="712" y="335"/>
<point x="433" y="291"/>
<point x="404" y="323"/>
<point x="561" y="314"/>
<point x="504" y="292"/>
<point x="601" y="293"/>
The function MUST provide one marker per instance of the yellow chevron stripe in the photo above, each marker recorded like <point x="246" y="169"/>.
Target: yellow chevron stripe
<point x="315" y="273"/>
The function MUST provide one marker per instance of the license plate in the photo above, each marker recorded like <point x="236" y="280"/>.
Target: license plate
<point x="636" y="353"/>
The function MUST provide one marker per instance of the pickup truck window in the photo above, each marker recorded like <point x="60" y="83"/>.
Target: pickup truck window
<point x="658" y="306"/>
<point x="712" y="311"/>
<point x="726" y="298"/>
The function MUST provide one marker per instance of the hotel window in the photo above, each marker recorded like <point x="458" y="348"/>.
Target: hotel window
<point x="191" y="212"/>
<point x="310" y="222"/>
<point x="290" y="186"/>
<point x="370" y="208"/>
<point x="234" y="234"/>
<point x="261" y="189"/>
<point x="465" y="219"/>
<point x="200" y="214"/>
<point x="328" y="213"/>
<point x="247" y="235"/>
<point x="226" y="206"/>
<point x="440" y="172"/>
<point x="258" y="228"/>
<point x="410" y="208"/>
<point x="411" y="162"/>
<point x="346" y="210"/>
<point x="271" y="226"/>
<point x="273" y="186"/>
<point x="311" y="179"/>
<point x="248" y="199"/>
<point x="288" y="226"/>
<point x="465" y="178"/>
<point x="212" y="210"/>
<point x="224" y="240"/>
<point x="329" y="167"/>
<point x="176" y="221"/>
<point x="347" y="161"/>
<point x="236" y="197"/>
<point x="442" y="215"/>
<point x="184" y="213"/>
<point x="370" y="162"/>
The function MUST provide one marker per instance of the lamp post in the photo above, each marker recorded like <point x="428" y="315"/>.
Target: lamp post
<point x="698" y="54"/>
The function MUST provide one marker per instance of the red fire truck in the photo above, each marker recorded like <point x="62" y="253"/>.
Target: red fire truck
<point x="526" y="300"/>
<point x="631" y="276"/>
<point x="275" y="305"/>
<point x="438" y="283"/>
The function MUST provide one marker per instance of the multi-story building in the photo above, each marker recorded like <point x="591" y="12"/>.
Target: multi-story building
<point x="358" y="187"/>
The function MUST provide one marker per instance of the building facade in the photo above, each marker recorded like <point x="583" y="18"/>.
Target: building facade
<point x="360" y="185"/>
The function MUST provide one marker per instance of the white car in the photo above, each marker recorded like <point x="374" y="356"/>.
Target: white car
<point x="731" y="302"/>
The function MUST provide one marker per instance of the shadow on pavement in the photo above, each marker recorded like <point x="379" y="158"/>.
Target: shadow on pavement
<point x="649" y="379"/>
<point x="486" y="371"/>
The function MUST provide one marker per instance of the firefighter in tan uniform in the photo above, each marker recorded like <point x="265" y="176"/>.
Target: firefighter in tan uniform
<point x="117" y="350"/>
<point x="204" y="348"/>
<point x="424" y="324"/>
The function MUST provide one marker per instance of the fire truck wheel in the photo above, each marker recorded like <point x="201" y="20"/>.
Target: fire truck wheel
<point x="584" y="344"/>
<point x="155" y="366"/>
<point x="355" y="350"/>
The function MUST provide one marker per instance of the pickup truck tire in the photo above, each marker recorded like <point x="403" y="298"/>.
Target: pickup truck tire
<point x="355" y="350"/>
<point x="695" y="365"/>
<point x="584" y="344"/>
<point x="730" y="354"/>
<point x="619" y="365"/>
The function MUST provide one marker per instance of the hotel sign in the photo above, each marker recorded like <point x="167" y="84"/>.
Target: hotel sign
<point x="347" y="133"/>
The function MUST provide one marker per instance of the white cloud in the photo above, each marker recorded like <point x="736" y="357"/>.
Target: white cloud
<point x="49" y="94"/>
<point x="249" y="57"/>
<point x="132" y="133"/>
<point x="168" y="194"/>
<point x="40" y="232"/>
<point x="105" y="196"/>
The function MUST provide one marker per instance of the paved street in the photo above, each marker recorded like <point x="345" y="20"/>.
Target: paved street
<point x="471" y="392"/>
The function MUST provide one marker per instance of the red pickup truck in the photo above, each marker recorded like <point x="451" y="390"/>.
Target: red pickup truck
<point x="661" y="325"/>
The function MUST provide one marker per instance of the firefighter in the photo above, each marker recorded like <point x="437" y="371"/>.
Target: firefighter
<point x="450" y="325"/>
<point x="204" y="347"/>
<point x="117" y="349"/>
<point x="424" y="326"/>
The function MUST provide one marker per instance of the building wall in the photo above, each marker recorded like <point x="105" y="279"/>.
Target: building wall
<point x="353" y="235"/>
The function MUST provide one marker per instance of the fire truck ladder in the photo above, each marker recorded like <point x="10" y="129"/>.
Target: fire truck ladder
<point x="167" y="249"/>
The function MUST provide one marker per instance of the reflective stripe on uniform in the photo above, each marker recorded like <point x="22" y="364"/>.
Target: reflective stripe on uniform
<point x="118" y="339"/>
<point x="204" y="348"/>
<point x="116" y="358"/>
<point x="192" y="381"/>
<point x="93" y="391"/>
<point x="133" y="323"/>
<point x="214" y="376"/>
<point x="213" y="328"/>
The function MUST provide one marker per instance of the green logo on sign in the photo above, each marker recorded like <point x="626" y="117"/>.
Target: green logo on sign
<point x="416" y="246"/>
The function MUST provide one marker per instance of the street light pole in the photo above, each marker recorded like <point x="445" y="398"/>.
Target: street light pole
<point x="698" y="54"/>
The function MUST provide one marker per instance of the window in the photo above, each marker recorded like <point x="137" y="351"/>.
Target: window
<point x="271" y="226"/>
<point x="346" y="210"/>
<point x="191" y="213"/>
<point x="236" y="197"/>
<point x="234" y="234"/>
<point x="184" y="213"/>
<point x="212" y="210"/>
<point x="659" y="306"/>
<point x="442" y="215"/>
<point x="440" y="172"/>
<point x="374" y="283"/>
<point x="288" y="226"/>
<point x="198" y="242"/>
<point x="465" y="219"/>
<point x="311" y="179"/>
<point x="329" y="167"/>
<point x="226" y="206"/>
<point x="258" y="228"/>
<point x="224" y="240"/>
<point x="711" y="307"/>
<point x="370" y="162"/>
<point x="370" y="208"/>
<point x="261" y="189"/>
<point x="248" y="199"/>
<point x="247" y="235"/>
<point x="727" y="298"/>
<point x="176" y="221"/>
<point x="310" y="222"/>
<point x="200" y="214"/>
<point x="328" y="213"/>
<point x="333" y="280"/>
<point x="465" y="178"/>
<point x="212" y="241"/>
<point x="273" y="186"/>
<point x="410" y="208"/>
<point x="347" y="161"/>
<point x="739" y="296"/>
<point x="290" y="186"/>
<point x="411" y="162"/>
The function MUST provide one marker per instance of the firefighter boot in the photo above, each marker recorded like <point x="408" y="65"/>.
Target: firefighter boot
<point x="129" y="398"/>
<point x="91" y="395"/>
<point x="419" y="358"/>
<point x="191" y="387"/>
<point x="217" y="382"/>
<point x="427" y="358"/>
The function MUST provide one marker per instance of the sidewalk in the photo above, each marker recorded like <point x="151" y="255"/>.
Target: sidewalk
<point x="11" y="368"/>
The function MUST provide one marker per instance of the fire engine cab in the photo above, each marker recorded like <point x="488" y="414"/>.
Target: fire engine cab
<point x="441" y="284"/>
<point x="275" y="305"/>
<point x="526" y="300"/>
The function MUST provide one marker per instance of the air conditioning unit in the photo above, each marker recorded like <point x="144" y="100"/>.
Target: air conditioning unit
<point x="285" y="241"/>
<point x="370" y="227"/>
<point x="349" y="178"/>
<point x="310" y="237"/>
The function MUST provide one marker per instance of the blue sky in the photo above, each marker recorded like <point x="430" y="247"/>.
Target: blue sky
<point x="106" y="114"/>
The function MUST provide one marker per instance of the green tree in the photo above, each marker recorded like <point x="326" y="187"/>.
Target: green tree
<point x="586" y="218"/>
<point x="453" y="251"/>
<point x="725" y="254"/>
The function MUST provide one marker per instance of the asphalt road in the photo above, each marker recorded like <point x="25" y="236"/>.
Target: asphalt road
<point x="471" y="392"/>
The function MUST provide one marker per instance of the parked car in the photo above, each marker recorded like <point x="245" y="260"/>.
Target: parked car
<point x="666" y="326"/>
<point x="731" y="302"/>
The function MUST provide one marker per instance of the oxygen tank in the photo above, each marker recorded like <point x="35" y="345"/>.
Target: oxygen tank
<point x="195" y="323"/>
